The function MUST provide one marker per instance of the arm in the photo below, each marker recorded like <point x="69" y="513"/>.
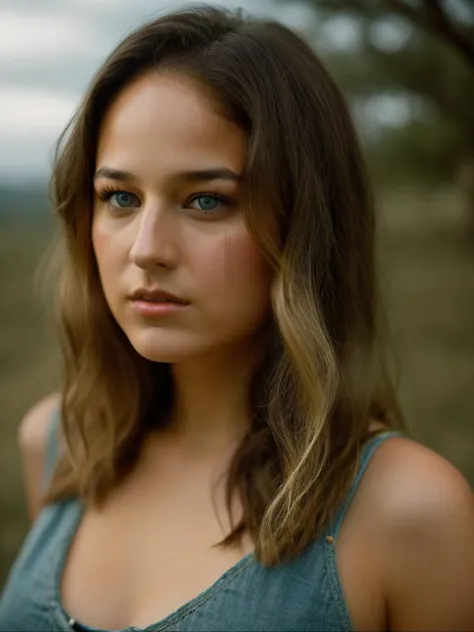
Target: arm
<point x="32" y="441"/>
<point x="429" y="561"/>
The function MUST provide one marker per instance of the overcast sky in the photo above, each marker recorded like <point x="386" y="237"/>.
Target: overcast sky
<point x="49" y="50"/>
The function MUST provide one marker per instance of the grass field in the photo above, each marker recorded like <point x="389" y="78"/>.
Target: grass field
<point x="428" y="270"/>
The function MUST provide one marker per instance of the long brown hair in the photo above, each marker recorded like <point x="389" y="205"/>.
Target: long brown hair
<point x="321" y="374"/>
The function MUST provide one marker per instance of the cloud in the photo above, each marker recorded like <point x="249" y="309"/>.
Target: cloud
<point x="27" y="111"/>
<point x="50" y="50"/>
<point x="47" y="35"/>
<point x="30" y="123"/>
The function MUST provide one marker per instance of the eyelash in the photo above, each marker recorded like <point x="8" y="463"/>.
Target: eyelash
<point x="107" y="192"/>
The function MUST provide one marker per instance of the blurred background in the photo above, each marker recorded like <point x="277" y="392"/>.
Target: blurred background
<point x="407" y="68"/>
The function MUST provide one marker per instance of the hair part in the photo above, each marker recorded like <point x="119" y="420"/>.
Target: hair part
<point x="321" y="374"/>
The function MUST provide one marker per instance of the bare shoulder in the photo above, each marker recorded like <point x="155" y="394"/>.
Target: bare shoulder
<point x="413" y="481"/>
<point x="33" y="428"/>
<point x="423" y="508"/>
<point x="32" y="440"/>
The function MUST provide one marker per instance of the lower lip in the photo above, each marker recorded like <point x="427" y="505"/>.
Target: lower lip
<point x="149" y="308"/>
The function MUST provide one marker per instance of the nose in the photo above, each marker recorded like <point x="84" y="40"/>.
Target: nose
<point x="154" y="243"/>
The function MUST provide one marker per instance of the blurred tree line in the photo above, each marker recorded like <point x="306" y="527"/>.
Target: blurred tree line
<point x="410" y="62"/>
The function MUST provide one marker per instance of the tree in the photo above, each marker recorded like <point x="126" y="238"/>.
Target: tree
<point x="431" y="16"/>
<point x="431" y="68"/>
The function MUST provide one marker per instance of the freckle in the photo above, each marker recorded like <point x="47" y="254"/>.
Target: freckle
<point x="329" y="539"/>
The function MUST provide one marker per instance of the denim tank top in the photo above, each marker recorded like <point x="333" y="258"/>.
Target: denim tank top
<point x="304" y="594"/>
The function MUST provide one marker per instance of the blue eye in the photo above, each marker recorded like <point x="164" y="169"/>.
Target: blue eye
<point x="209" y="203"/>
<point x="123" y="199"/>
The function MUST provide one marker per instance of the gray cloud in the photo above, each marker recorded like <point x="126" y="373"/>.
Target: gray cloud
<point x="49" y="51"/>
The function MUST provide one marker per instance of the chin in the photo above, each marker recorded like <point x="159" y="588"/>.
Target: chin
<point x="167" y="356"/>
<point x="173" y="346"/>
<point x="158" y="345"/>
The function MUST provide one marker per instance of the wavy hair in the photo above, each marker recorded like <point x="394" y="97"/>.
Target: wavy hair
<point x="321" y="374"/>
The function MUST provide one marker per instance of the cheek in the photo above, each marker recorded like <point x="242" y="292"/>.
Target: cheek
<point x="236" y="270"/>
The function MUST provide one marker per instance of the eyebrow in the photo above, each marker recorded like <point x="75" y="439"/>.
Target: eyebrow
<point x="217" y="173"/>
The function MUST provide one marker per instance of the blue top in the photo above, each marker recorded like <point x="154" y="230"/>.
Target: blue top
<point x="304" y="594"/>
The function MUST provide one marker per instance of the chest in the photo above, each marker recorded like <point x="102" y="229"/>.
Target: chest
<point x="138" y="567"/>
<point x="151" y="550"/>
<point x="148" y="551"/>
<point x="115" y="575"/>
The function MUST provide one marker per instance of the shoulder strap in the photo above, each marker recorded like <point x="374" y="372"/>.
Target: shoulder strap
<point x="52" y="448"/>
<point x="367" y="452"/>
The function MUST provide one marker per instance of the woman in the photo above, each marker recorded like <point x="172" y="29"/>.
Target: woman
<point x="230" y="454"/>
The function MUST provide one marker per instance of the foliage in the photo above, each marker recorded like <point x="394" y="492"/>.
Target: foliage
<point x="430" y="68"/>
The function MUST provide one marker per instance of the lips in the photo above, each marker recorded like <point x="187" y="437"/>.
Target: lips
<point x="156" y="296"/>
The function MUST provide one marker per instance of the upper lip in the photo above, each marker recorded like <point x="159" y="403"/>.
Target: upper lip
<point x="155" y="293"/>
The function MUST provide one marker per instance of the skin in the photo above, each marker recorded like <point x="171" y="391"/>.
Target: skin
<point x="405" y="551"/>
<point x="159" y="128"/>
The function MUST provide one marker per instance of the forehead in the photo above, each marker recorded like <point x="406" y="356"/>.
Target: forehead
<point x="165" y="122"/>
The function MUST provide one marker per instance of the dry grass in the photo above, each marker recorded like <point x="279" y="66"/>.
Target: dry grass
<point x="429" y="271"/>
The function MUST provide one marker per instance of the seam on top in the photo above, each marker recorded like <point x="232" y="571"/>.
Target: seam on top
<point x="333" y="530"/>
<point x="336" y="587"/>
<point x="62" y="554"/>
<point x="202" y="598"/>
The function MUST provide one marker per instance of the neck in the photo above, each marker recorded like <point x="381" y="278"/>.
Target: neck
<point x="211" y="401"/>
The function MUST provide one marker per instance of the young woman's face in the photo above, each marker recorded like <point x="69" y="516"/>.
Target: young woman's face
<point x="167" y="218"/>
